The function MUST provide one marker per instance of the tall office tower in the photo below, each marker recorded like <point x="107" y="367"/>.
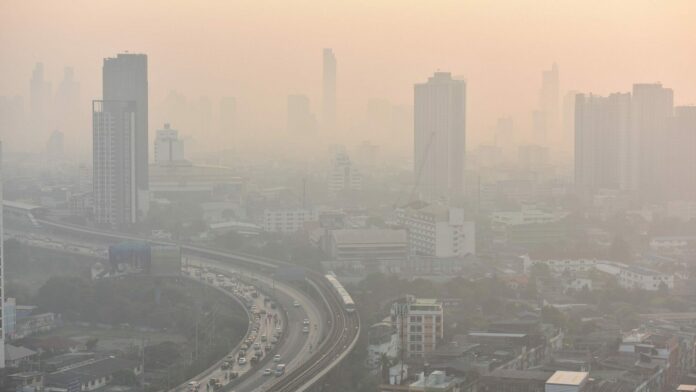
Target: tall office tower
<point x="125" y="79"/>
<point x="328" y="114"/>
<point x="549" y="105"/>
<point x="115" y="162"/>
<point x="439" y="137"/>
<point x="68" y="103"/>
<point x="680" y="176"/>
<point x="652" y="108"/>
<point x="40" y="102"/>
<point x="168" y="147"/>
<point x="301" y="120"/>
<point x="601" y="126"/>
<point x="228" y="117"/>
<point x="2" y="277"/>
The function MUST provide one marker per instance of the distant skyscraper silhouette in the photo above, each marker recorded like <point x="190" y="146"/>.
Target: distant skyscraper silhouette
<point x="601" y="127"/>
<point x="2" y="277"/>
<point x="125" y="79"/>
<point x="39" y="102"/>
<point x="68" y="103"/>
<point x="546" y="120"/>
<point x="439" y="137"/>
<point x="114" y="181"/>
<point x="328" y="118"/>
<point x="651" y="113"/>
<point x="301" y="120"/>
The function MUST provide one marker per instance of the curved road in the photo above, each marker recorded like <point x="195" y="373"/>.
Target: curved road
<point x="303" y="370"/>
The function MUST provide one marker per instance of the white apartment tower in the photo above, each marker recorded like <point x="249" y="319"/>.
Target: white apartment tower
<point x="114" y="162"/>
<point x="439" y="137"/>
<point x="168" y="147"/>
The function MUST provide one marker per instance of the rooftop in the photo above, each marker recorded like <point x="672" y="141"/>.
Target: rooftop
<point x="368" y="236"/>
<point x="567" y="378"/>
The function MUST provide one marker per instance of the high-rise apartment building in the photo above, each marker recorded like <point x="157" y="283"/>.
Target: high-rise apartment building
<point x="114" y="182"/>
<point x="439" y="137"/>
<point x="125" y="79"/>
<point x="168" y="147"/>
<point x="652" y="109"/>
<point x="419" y="325"/>
<point x="2" y="276"/>
<point x="548" y="122"/>
<point x="39" y="102"/>
<point x="602" y="125"/>
<point x="328" y="114"/>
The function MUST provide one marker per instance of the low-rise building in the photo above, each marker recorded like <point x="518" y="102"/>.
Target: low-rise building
<point x="436" y="230"/>
<point x="419" y="325"/>
<point x="634" y="277"/>
<point x="368" y="245"/>
<point x="287" y="221"/>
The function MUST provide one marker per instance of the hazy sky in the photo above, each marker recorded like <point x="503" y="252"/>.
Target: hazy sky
<point x="260" y="51"/>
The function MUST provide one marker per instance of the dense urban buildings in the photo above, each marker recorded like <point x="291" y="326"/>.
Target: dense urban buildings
<point x="436" y="230"/>
<point x="439" y="137"/>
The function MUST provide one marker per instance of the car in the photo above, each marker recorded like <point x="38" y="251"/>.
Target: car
<point x="225" y="365"/>
<point x="253" y="308"/>
<point x="276" y="358"/>
<point x="263" y="338"/>
<point x="242" y="361"/>
<point x="257" y="346"/>
<point x="274" y="340"/>
<point x="305" y="329"/>
<point x="267" y="347"/>
<point x="242" y="353"/>
<point x="267" y="372"/>
<point x="296" y="304"/>
<point x="193" y="386"/>
<point x="305" y="321"/>
<point x="254" y="360"/>
<point x="233" y="375"/>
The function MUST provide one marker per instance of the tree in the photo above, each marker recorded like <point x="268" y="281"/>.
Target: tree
<point x="125" y="378"/>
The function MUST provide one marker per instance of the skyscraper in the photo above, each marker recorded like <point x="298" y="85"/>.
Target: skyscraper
<point x="168" y="147"/>
<point x="2" y="276"/>
<point x="328" y="117"/>
<point x="547" y="123"/>
<point x="68" y="103"/>
<point x="439" y="137"/>
<point x="114" y="155"/>
<point x="652" y="109"/>
<point x="301" y="120"/>
<point x="125" y="79"/>
<point x="601" y="126"/>
<point x="39" y="102"/>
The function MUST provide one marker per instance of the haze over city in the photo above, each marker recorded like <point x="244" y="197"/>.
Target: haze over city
<point x="348" y="196"/>
<point x="261" y="52"/>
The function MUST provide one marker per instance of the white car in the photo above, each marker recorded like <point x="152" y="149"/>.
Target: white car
<point x="305" y="329"/>
<point x="305" y="322"/>
<point x="296" y="304"/>
<point x="267" y="372"/>
<point x="276" y="358"/>
<point x="242" y="361"/>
